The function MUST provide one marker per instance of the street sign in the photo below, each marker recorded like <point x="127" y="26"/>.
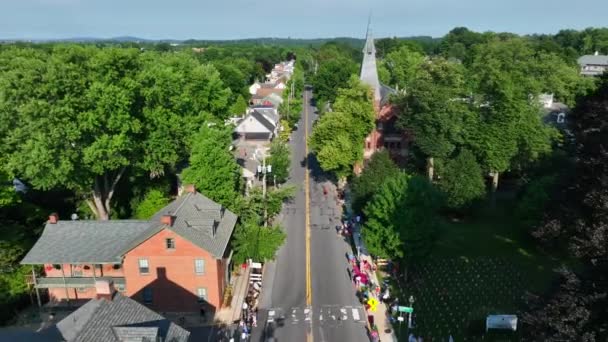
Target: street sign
<point x="405" y="309"/>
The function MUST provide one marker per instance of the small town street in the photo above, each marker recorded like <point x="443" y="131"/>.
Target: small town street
<point x="333" y="312"/>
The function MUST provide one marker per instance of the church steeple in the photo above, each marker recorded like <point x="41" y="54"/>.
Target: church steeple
<point x="369" y="71"/>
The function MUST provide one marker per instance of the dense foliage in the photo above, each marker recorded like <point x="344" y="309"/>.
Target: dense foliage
<point x="212" y="167"/>
<point x="578" y="221"/>
<point x="401" y="218"/>
<point x="77" y="117"/>
<point x="379" y="168"/>
<point x="337" y="138"/>
<point x="280" y="159"/>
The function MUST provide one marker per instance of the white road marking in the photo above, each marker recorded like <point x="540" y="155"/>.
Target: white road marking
<point x="356" y="314"/>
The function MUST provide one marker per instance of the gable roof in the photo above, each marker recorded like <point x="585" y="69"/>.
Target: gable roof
<point x="117" y="319"/>
<point x="270" y="113"/>
<point x="201" y="221"/>
<point x="106" y="242"/>
<point x="263" y="120"/>
<point x="593" y="60"/>
<point x="84" y="241"/>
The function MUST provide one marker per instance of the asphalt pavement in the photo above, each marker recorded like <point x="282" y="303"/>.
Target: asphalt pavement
<point x="335" y="314"/>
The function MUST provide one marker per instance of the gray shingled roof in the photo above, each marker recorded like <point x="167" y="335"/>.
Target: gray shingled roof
<point x="263" y="120"/>
<point x="201" y="221"/>
<point x="84" y="241"/>
<point x="198" y="219"/>
<point x="593" y="60"/>
<point x="106" y="320"/>
<point x="385" y="92"/>
<point x="270" y="113"/>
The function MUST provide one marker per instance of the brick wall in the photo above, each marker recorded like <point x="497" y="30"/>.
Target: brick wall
<point x="172" y="278"/>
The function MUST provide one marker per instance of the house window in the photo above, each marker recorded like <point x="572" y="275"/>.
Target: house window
<point x="144" y="266"/>
<point x="201" y="294"/>
<point x="147" y="295"/>
<point x="170" y="243"/>
<point x="199" y="266"/>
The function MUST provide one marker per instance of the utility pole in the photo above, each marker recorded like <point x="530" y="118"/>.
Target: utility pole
<point x="265" y="169"/>
<point x="264" y="188"/>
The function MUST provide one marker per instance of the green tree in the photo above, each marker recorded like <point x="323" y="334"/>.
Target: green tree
<point x="255" y="206"/>
<point x="251" y="241"/>
<point x="212" y="168"/>
<point x="436" y="110"/>
<point x="280" y="159"/>
<point x="509" y="125"/>
<point x="379" y="168"/>
<point x="401" y="218"/>
<point x="462" y="180"/>
<point x="337" y="138"/>
<point x="78" y="117"/>
<point x="239" y="106"/>
<point x="285" y="133"/>
<point x="331" y="76"/>
<point x="153" y="201"/>
<point x="355" y="99"/>
<point x="8" y="195"/>
<point x="403" y="65"/>
<point x="333" y="144"/>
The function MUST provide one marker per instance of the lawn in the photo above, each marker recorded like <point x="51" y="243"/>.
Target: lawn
<point x="481" y="265"/>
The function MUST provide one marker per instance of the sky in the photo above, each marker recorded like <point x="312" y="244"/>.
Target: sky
<point x="234" y="19"/>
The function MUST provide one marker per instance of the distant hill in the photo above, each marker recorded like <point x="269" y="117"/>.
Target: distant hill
<point x="355" y="42"/>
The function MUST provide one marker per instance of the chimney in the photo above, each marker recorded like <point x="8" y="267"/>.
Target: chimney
<point x="190" y="188"/>
<point x="167" y="220"/>
<point x="105" y="289"/>
<point x="53" y="218"/>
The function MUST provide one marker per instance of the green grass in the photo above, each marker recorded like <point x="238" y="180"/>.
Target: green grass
<point x="480" y="265"/>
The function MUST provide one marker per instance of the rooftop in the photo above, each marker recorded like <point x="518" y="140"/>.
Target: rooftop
<point x="593" y="60"/>
<point x="197" y="219"/>
<point x="84" y="241"/>
<point x="119" y="319"/>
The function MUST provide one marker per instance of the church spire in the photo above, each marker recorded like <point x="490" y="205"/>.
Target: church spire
<point x="369" y="71"/>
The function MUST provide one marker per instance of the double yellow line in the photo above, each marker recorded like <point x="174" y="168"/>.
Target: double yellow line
<point x="309" y="335"/>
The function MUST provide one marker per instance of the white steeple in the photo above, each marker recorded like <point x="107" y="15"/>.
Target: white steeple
<point x="369" y="71"/>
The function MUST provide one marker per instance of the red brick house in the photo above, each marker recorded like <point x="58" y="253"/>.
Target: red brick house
<point x="178" y="261"/>
<point x="385" y="135"/>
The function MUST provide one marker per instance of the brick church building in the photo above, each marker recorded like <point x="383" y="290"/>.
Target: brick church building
<point x="385" y="135"/>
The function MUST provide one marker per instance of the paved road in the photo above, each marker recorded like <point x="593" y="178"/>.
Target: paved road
<point x="335" y="314"/>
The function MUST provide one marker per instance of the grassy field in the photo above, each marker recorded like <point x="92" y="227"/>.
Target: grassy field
<point x="481" y="265"/>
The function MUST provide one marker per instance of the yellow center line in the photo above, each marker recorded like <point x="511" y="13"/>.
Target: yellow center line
<point x="309" y="335"/>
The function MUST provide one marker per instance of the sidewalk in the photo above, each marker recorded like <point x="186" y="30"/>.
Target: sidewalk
<point x="240" y="284"/>
<point x="380" y="316"/>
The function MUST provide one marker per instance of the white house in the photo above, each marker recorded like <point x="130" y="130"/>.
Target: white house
<point x="593" y="65"/>
<point x="258" y="124"/>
